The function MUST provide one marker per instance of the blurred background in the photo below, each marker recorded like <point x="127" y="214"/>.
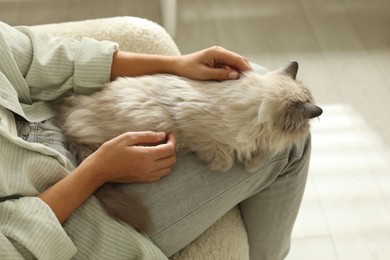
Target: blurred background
<point x="343" y="48"/>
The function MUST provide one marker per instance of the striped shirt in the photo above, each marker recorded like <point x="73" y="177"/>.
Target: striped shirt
<point x="35" y="70"/>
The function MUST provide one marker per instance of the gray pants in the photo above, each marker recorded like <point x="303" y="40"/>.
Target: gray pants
<point x="189" y="200"/>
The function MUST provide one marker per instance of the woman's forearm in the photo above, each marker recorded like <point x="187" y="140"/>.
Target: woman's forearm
<point x="137" y="64"/>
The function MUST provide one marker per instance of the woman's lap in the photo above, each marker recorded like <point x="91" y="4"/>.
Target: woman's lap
<point x="188" y="201"/>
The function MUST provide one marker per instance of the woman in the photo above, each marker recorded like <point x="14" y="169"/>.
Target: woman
<point x="46" y="207"/>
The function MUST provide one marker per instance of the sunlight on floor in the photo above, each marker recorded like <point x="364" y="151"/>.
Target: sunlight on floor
<point x="345" y="212"/>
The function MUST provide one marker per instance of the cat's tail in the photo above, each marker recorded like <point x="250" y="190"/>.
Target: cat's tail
<point x="124" y="207"/>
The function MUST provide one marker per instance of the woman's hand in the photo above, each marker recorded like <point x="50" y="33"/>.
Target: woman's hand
<point x="215" y="63"/>
<point x="133" y="157"/>
<point x="130" y="157"/>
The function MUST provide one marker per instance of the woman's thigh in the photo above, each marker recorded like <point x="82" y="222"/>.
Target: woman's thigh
<point x="188" y="201"/>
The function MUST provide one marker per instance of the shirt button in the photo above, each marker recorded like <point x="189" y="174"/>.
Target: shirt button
<point x="24" y="130"/>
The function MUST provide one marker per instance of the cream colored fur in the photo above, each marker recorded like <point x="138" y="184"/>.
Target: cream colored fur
<point x="244" y="120"/>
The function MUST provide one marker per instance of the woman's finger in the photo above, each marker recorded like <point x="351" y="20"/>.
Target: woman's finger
<point x="223" y="58"/>
<point x="142" y="138"/>
<point x="163" y="150"/>
<point x="146" y="178"/>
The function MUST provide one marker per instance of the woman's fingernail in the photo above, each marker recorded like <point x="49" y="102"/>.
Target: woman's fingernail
<point x="161" y="135"/>
<point x="233" y="75"/>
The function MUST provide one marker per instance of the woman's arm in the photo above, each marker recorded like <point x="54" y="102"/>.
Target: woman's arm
<point x="121" y="160"/>
<point x="214" y="63"/>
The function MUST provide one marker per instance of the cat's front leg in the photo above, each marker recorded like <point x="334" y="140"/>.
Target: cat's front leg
<point x="256" y="160"/>
<point x="219" y="157"/>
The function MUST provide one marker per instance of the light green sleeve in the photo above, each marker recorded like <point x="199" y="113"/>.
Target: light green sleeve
<point x="60" y="64"/>
<point x="28" y="227"/>
<point x="36" y="67"/>
<point x="28" y="230"/>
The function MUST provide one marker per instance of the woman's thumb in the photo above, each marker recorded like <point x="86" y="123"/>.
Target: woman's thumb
<point x="145" y="138"/>
<point x="223" y="74"/>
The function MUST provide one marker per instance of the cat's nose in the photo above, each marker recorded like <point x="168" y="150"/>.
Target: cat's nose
<point x="312" y="111"/>
<point x="316" y="111"/>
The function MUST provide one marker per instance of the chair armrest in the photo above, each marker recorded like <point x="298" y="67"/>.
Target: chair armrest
<point x="131" y="33"/>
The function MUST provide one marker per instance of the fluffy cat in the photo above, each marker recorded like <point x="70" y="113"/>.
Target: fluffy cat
<point x="244" y="120"/>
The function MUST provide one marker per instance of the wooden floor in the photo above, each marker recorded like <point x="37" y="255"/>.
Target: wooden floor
<point x="343" y="48"/>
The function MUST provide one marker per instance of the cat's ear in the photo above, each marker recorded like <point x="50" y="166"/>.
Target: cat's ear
<point x="290" y="70"/>
<point x="311" y="110"/>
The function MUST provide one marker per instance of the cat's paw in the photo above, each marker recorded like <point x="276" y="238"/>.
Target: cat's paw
<point x="252" y="167"/>
<point x="221" y="165"/>
<point x="221" y="160"/>
<point x="256" y="161"/>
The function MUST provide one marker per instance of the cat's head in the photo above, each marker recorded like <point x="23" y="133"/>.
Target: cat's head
<point x="287" y="106"/>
